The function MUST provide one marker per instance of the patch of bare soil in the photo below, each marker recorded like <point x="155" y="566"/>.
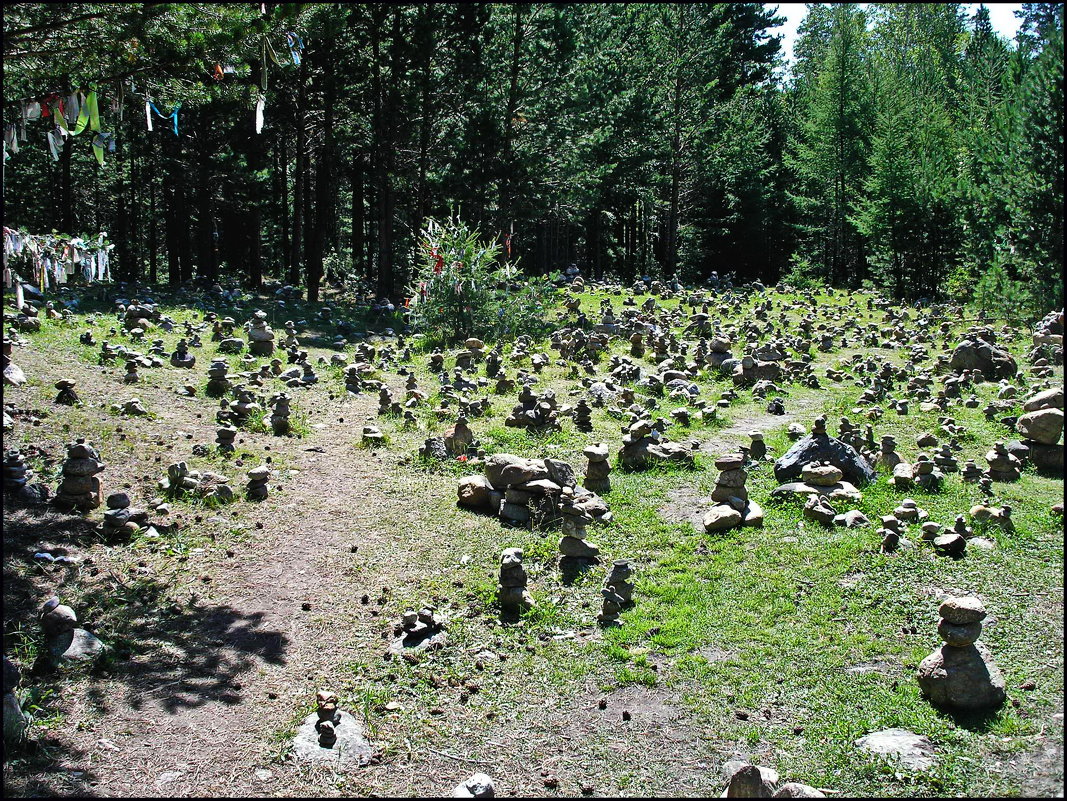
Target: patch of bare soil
<point x="685" y="505"/>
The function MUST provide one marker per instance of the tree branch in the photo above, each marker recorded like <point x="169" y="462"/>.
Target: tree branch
<point x="52" y="25"/>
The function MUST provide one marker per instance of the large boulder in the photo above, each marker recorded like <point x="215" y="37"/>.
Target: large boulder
<point x="823" y="448"/>
<point x="961" y="678"/>
<point x="503" y="470"/>
<point x="1046" y="399"/>
<point x="978" y="354"/>
<point x="1043" y="426"/>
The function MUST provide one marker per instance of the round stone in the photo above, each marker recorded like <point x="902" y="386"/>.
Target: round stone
<point x="963" y="610"/>
<point x="959" y="635"/>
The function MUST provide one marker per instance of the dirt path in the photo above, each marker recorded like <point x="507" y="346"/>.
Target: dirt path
<point x="193" y="714"/>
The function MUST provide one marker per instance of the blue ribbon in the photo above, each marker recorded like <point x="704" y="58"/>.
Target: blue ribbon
<point x="173" y="114"/>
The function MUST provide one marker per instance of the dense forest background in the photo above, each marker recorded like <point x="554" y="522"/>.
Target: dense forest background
<point x="909" y="146"/>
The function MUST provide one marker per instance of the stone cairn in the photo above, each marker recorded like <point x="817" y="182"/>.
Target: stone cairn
<point x="205" y="484"/>
<point x="757" y="450"/>
<point x="224" y="438"/>
<point x="927" y="476"/>
<point x="67" y="396"/>
<point x="618" y="591"/>
<point x="598" y="470"/>
<point x="80" y="488"/>
<point x="583" y="416"/>
<point x="732" y="506"/>
<point x="131" y="376"/>
<point x="961" y="673"/>
<point x="512" y="593"/>
<point x="121" y="517"/>
<point x="181" y="356"/>
<point x="279" y="416"/>
<point x="887" y="456"/>
<point x="16" y="472"/>
<point x="1042" y="425"/>
<point x="218" y="377"/>
<point x="257" y="488"/>
<point x="328" y="717"/>
<point x="971" y="472"/>
<point x="63" y="638"/>
<point x="1003" y="466"/>
<point x="260" y="335"/>
<point x="576" y="518"/>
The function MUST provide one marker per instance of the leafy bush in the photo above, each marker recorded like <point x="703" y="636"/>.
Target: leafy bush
<point x="461" y="289"/>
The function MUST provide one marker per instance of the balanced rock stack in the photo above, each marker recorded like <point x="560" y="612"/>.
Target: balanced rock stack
<point x="618" y="591"/>
<point x="927" y="475"/>
<point x="757" y="450"/>
<point x="577" y="512"/>
<point x="279" y="413"/>
<point x="598" y="471"/>
<point x="257" y="488"/>
<point x="80" y="488"/>
<point x="961" y="673"/>
<point x="1042" y="425"/>
<point x="583" y="416"/>
<point x="224" y="438"/>
<point x="67" y="396"/>
<point x="512" y="593"/>
<point x="732" y="505"/>
<point x="971" y="472"/>
<point x="218" y="377"/>
<point x="205" y="484"/>
<point x="121" y="517"/>
<point x="644" y="445"/>
<point x="63" y="638"/>
<point x="373" y="436"/>
<point x="260" y="335"/>
<point x="1003" y="466"/>
<point x="820" y="478"/>
<point x="13" y="374"/>
<point x="16" y="472"/>
<point x="181" y="356"/>
<point x="131" y="376"/>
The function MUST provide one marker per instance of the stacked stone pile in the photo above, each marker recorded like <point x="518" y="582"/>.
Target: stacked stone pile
<point x="961" y="674"/>
<point x="80" y="488"/>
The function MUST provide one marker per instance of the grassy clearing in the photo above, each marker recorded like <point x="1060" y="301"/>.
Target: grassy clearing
<point x="754" y="635"/>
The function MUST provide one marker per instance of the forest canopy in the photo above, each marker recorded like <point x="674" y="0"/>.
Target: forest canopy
<point x="909" y="147"/>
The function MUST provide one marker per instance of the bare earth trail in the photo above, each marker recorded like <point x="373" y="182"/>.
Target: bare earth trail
<point x="196" y="717"/>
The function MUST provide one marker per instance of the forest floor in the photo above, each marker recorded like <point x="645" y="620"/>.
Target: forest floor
<point x="780" y="646"/>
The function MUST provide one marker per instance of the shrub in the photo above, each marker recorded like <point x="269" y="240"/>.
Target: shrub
<point x="461" y="289"/>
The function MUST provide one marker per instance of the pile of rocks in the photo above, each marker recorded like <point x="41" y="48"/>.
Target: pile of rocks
<point x="80" y="488"/>
<point x="257" y="488"/>
<point x="279" y="416"/>
<point x="961" y="674"/>
<point x="224" y="438"/>
<point x="181" y="356"/>
<point x="64" y="640"/>
<point x="644" y="445"/>
<point x="536" y="413"/>
<point x="817" y="447"/>
<point x="13" y="374"/>
<point x="512" y="593"/>
<point x="67" y="396"/>
<point x="219" y="379"/>
<point x="260" y="335"/>
<point x="1003" y="465"/>
<point x="577" y="511"/>
<point x="598" y="470"/>
<point x="121" y="517"/>
<point x="1042" y="425"/>
<point x="926" y="475"/>
<point x="417" y="633"/>
<point x="210" y="486"/>
<point x="820" y="478"/>
<point x="732" y="505"/>
<point x="617" y="592"/>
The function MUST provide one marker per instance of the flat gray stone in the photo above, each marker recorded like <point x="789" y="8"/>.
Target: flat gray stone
<point x="350" y="750"/>
<point x="913" y="751"/>
<point x="76" y="645"/>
